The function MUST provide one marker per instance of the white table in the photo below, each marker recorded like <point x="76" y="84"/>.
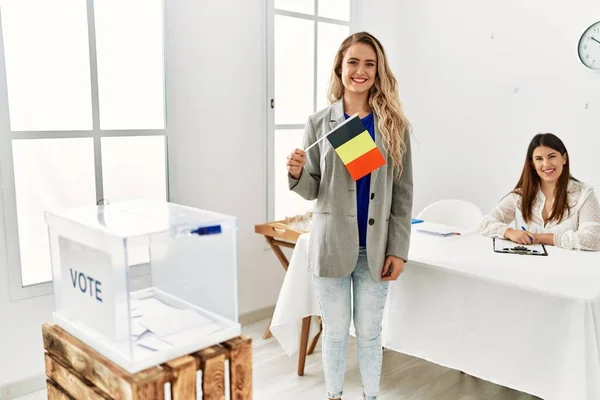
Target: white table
<point x="530" y="323"/>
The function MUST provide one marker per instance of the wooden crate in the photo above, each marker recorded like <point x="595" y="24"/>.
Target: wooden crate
<point x="75" y="371"/>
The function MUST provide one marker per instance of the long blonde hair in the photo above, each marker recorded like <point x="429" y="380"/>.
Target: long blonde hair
<point x="383" y="97"/>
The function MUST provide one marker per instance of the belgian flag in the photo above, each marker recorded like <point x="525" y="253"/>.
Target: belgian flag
<point x="356" y="148"/>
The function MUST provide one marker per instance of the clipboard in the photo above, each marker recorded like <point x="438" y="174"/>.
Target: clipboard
<point x="508" y="247"/>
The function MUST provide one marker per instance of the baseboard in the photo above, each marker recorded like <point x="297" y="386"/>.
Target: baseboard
<point x="255" y="316"/>
<point x="21" y="388"/>
<point x="35" y="383"/>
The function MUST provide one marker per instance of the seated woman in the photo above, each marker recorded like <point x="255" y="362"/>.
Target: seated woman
<point x="548" y="205"/>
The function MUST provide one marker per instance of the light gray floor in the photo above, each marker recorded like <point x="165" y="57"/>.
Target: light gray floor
<point x="403" y="378"/>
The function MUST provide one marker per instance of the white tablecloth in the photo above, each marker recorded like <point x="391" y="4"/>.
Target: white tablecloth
<point x="297" y="299"/>
<point x="527" y="322"/>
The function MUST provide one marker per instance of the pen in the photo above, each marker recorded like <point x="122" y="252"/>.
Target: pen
<point x="530" y="238"/>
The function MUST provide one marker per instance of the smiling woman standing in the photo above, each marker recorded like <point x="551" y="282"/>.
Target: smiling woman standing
<point x="361" y="230"/>
<point x="547" y="205"/>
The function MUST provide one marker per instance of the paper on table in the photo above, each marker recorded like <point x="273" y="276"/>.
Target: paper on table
<point x="437" y="229"/>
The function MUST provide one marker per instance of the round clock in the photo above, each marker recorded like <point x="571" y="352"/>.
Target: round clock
<point x="589" y="47"/>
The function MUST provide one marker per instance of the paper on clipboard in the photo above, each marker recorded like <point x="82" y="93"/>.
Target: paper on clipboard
<point x="507" y="246"/>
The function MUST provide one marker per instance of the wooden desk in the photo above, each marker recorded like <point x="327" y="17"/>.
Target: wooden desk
<point x="279" y="235"/>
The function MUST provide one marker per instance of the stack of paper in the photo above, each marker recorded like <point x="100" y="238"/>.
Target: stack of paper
<point x="156" y="326"/>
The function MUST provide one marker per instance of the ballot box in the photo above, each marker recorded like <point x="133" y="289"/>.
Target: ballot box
<point x="144" y="282"/>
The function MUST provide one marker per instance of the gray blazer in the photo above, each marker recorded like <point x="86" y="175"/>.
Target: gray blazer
<point x="333" y="251"/>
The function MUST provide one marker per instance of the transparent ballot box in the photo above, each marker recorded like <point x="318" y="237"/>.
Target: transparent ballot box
<point x="144" y="282"/>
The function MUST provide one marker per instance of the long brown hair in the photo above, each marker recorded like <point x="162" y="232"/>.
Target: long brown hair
<point x="383" y="97"/>
<point x="529" y="182"/>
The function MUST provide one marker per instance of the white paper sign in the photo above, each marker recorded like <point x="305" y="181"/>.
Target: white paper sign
<point x="87" y="292"/>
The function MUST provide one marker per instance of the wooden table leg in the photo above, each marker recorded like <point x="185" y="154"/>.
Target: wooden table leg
<point x="268" y="333"/>
<point x="303" y="344"/>
<point x="285" y="264"/>
<point x="315" y="340"/>
<point x="279" y="253"/>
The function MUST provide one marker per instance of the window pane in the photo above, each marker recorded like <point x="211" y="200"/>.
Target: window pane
<point x="294" y="70"/>
<point x="47" y="64"/>
<point x="330" y="37"/>
<point x="336" y="9"/>
<point x="130" y="63"/>
<point x="49" y="173"/>
<point x="301" y="6"/>
<point x="134" y="168"/>
<point x="287" y="203"/>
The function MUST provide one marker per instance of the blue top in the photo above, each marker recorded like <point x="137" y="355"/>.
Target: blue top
<point x="363" y="189"/>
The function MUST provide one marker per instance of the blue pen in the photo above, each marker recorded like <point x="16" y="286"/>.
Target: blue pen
<point x="530" y="238"/>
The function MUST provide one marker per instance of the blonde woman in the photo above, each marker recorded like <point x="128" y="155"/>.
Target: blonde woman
<point x="361" y="230"/>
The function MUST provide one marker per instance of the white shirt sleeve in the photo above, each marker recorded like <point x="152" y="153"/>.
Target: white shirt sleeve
<point x="587" y="235"/>
<point x="498" y="220"/>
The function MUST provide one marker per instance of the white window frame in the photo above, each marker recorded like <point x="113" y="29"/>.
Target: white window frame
<point x="16" y="289"/>
<point x="271" y="126"/>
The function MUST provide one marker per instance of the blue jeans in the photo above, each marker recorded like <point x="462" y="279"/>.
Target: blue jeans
<point x="334" y="301"/>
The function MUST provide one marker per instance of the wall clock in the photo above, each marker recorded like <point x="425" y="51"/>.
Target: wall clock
<point x="589" y="47"/>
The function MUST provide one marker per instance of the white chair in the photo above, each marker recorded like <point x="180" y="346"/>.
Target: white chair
<point x="453" y="212"/>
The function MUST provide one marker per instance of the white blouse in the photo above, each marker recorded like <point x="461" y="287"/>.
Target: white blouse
<point x="579" y="230"/>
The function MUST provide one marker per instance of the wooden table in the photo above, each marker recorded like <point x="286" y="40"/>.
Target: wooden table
<point x="76" y="371"/>
<point x="279" y="235"/>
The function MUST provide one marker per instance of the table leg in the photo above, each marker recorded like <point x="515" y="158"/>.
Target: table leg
<point x="279" y="253"/>
<point x="268" y="333"/>
<point x="315" y="340"/>
<point x="285" y="264"/>
<point x="303" y="344"/>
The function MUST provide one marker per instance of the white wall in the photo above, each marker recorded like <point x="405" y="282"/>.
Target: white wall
<point x="380" y="18"/>
<point x="479" y="78"/>
<point x="216" y="94"/>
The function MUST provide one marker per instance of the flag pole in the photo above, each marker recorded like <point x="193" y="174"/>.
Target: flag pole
<point x="328" y="133"/>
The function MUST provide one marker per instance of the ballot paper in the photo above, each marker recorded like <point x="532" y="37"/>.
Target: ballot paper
<point x="152" y="342"/>
<point x="163" y="323"/>
<point x="152" y="306"/>
<point x="192" y="334"/>
<point x="134" y="303"/>
<point x="156" y="326"/>
<point x="136" y="328"/>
